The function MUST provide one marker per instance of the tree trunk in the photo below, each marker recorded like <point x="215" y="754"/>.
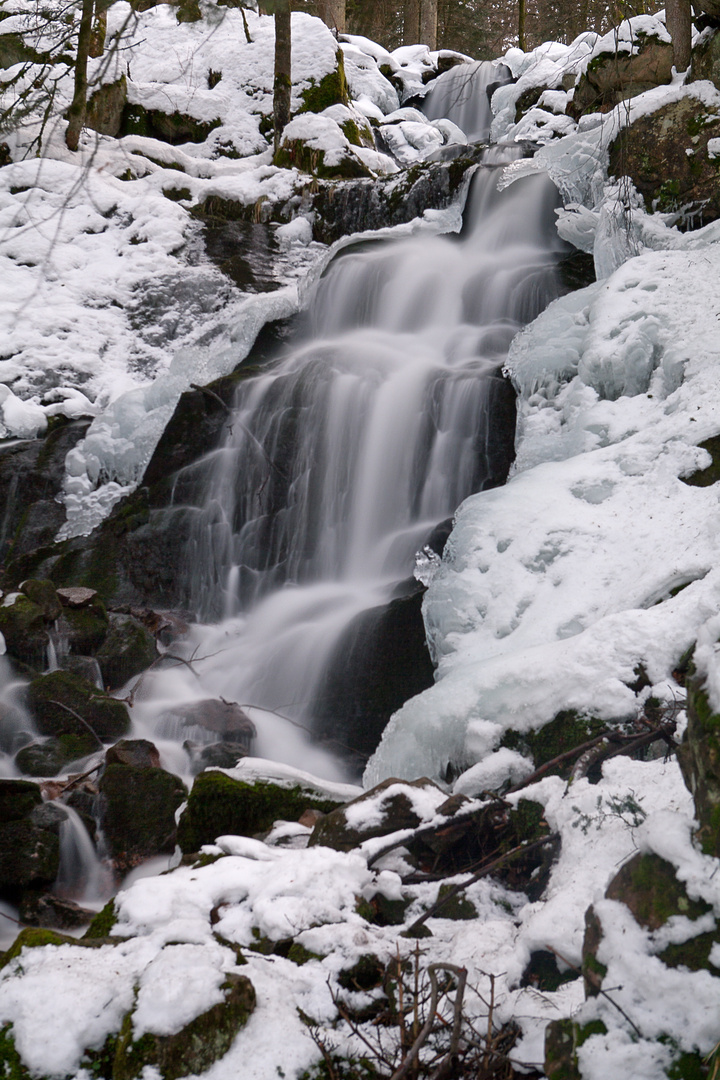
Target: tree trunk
<point x="678" y="17"/>
<point x="411" y="22"/>
<point x="332" y="13"/>
<point x="76" y="112"/>
<point x="428" y="23"/>
<point x="283" y="77"/>
<point x="522" y="41"/>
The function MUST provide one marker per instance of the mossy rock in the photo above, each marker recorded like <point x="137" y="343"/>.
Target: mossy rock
<point x="30" y="849"/>
<point x="84" y="628"/>
<point x="18" y="798"/>
<point x="397" y="811"/>
<point x="593" y="971"/>
<point x="649" y="886"/>
<point x="699" y="760"/>
<point x="138" y="812"/>
<point x="366" y="973"/>
<point x="173" y="128"/>
<point x="127" y="650"/>
<point x="24" y="628"/>
<point x="11" y="1065"/>
<point x="565" y="731"/>
<point x="562" y="1041"/>
<point x="196" y="1047"/>
<point x="332" y="89"/>
<point x="52" y="696"/>
<point x="42" y="592"/>
<point x="296" y="154"/>
<point x="665" y="154"/>
<point x="219" y="805"/>
<point x="612" y="76"/>
<point x="457" y="907"/>
<point x="300" y="955"/>
<point x="103" y="923"/>
<point x="706" y="60"/>
<point x="48" y="758"/>
<point x="33" y="937"/>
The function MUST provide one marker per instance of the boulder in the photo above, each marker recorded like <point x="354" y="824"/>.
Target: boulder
<point x="82" y="628"/>
<point x="43" y="909"/>
<point x="138" y="752"/>
<point x="138" y="805"/>
<point x="105" y="108"/>
<point x="76" y="596"/>
<point x="48" y="758"/>
<point x="612" y="77"/>
<point x="23" y="625"/>
<point x="128" y="648"/>
<point x="219" y="805"/>
<point x="42" y="593"/>
<point x="195" y="1047"/>
<point x="63" y="704"/>
<point x="387" y="808"/>
<point x="225" y="718"/>
<point x="666" y="155"/>
<point x="30" y="848"/>
<point x="699" y="760"/>
<point x="219" y="755"/>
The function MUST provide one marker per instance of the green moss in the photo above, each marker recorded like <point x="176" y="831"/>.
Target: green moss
<point x="103" y="923"/>
<point x="584" y="1031"/>
<point x="11" y="1065"/>
<point x="668" y="197"/>
<point x="331" y="90"/>
<point x="23" y="627"/>
<point x="565" y="731"/>
<point x="693" y="954"/>
<point x="300" y="955"/>
<point x="365" y="974"/>
<point x="458" y="907"/>
<point x="219" y="805"/>
<point x="55" y="699"/>
<point x="33" y="937"/>
<point x="688" y="1067"/>
<point x="100" y="1063"/>
<point x="648" y="886"/>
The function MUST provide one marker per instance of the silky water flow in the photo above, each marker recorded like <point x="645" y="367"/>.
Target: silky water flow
<point x="340" y="461"/>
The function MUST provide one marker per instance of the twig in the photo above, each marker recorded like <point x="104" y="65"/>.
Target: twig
<point x="483" y="872"/>
<point x="78" y="717"/>
<point x="211" y="393"/>
<point x="83" y="776"/>
<point x="594" y="980"/>
<point x="427" y="1027"/>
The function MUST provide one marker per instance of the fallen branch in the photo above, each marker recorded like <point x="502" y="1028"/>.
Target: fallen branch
<point x="78" y="717"/>
<point x="484" y="871"/>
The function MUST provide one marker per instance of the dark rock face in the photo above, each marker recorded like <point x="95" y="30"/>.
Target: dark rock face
<point x="219" y="805"/>
<point x="381" y="661"/>
<point x="29" y="838"/>
<point x="138" y="812"/>
<point x="49" y="758"/>
<point x="138" y="752"/>
<point x="31" y="474"/>
<point x="105" y="108"/>
<point x="665" y="154"/>
<point x="127" y="649"/>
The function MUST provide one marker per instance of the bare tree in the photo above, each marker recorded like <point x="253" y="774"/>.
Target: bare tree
<point x="332" y="13"/>
<point x="76" y="112"/>
<point x="428" y="23"/>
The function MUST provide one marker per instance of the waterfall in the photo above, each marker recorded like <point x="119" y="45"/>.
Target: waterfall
<point x="462" y="95"/>
<point x="81" y="876"/>
<point x="342" y="459"/>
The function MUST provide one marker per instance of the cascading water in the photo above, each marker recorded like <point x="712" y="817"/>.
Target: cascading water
<point x="462" y="95"/>
<point x="341" y="460"/>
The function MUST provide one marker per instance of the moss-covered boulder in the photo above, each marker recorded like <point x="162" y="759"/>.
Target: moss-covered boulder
<point x="332" y="89"/>
<point x="220" y="805"/>
<point x="18" y="798"/>
<point x="83" y="627"/>
<point x="127" y="649"/>
<point x="612" y="76"/>
<point x="564" y="732"/>
<point x="138" y="812"/>
<point x="24" y="627"/>
<point x="706" y="59"/>
<point x="666" y="155"/>
<point x="317" y="145"/>
<point x="42" y="592"/>
<point x="387" y="807"/>
<point x="174" y="128"/>
<point x="699" y="760"/>
<point x="196" y="1047"/>
<point x="48" y="758"/>
<point x="64" y="704"/>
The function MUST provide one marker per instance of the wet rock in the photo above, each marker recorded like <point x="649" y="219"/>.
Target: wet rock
<point x="30" y="849"/>
<point x="44" y="595"/>
<point x="18" y="798"/>
<point x="23" y="625"/>
<point x="31" y="476"/>
<point x="612" y="77"/>
<point x="85" y="667"/>
<point x="138" y="805"/>
<point x="63" y="704"/>
<point x="219" y="805"/>
<point x="394" y="808"/>
<point x="193" y="1049"/>
<point x="49" y="757"/>
<point x="706" y="59"/>
<point x="83" y="628"/>
<point x="225" y="718"/>
<point x="665" y="153"/>
<point x="44" y="909"/>
<point x="138" y="752"/>
<point x="219" y="755"/>
<point x="128" y="648"/>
